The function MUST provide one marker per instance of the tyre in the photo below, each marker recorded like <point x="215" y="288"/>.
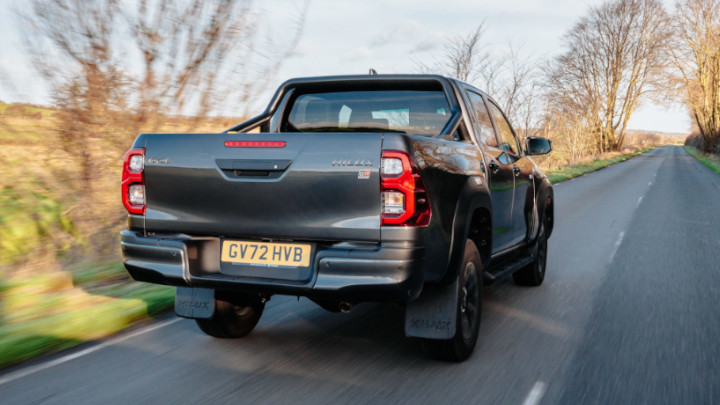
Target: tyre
<point x="534" y="273"/>
<point x="234" y="316"/>
<point x="469" y="308"/>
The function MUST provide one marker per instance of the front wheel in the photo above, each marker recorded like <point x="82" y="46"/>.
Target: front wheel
<point x="469" y="307"/>
<point x="234" y="316"/>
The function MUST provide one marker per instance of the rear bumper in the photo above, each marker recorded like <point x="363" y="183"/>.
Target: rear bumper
<point x="345" y="271"/>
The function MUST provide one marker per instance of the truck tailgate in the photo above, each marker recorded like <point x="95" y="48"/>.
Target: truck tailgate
<point x="316" y="186"/>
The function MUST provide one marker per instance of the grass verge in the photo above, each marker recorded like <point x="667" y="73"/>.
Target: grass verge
<point x="51" y="312"/>
<point x="711" y="162"/>
<point x="566" y="173"/>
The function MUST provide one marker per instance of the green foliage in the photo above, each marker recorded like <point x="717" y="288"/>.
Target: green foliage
<point x="110" y="280"/>
<point x="16" y="346"/>
<point x="710" y="161"/>
<point x="51" y="312"/>
<point x="28" y="221"/>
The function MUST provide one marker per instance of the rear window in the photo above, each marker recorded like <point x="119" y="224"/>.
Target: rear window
<point x="403" y="111"/>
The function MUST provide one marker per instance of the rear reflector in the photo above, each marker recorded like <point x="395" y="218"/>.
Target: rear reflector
<point x="255" y="144"/>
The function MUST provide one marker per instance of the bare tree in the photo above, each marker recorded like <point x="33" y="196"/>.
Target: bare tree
<point x="696" y="54"/>
<point x="567" y="126"/>
<point x="507" y="77"/>
<point x="184" y="57"/>
<point x="515" y="87"/>
<point x="464" y="58"/>
<point x="192" y="50"/>
<point x="116" y="68"/>
<point x="71" y="43"/>
<point x="570" y="113"/>
<point x="614" y="57"/>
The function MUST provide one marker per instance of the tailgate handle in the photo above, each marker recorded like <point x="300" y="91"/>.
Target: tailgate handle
<point x="253" y="168"/>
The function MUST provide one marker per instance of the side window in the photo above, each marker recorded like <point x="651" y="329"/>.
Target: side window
<point x="509" y="143"/>
<point x="482" y="120"/>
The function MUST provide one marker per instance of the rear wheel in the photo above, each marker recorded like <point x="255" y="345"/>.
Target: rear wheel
<point x="534" y="273"/>
<point x="234" y="316"/>
<point x="469" y="307"/>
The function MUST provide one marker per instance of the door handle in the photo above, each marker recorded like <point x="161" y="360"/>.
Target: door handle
<point x="516" y="170"/>
<point x="494" y="167"/>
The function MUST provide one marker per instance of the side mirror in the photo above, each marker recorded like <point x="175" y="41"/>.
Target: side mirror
<point x="538" y="146"/>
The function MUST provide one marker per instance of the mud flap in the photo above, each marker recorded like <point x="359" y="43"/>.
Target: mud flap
<point x="197" y="303"/>
<point x="434" y="314"/>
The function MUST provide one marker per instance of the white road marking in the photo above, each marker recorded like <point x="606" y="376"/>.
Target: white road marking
<point x="535" y="394"/>
<point x="618" y="242"/>
<point x="638" y="203"/>
<point x="44" y="366"/>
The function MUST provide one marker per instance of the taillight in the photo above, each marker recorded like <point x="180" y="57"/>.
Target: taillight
<point x="403" y="196"/>
<point x="133" y="181"/>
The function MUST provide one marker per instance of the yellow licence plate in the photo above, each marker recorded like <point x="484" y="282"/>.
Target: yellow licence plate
<point x="266" y="254"/>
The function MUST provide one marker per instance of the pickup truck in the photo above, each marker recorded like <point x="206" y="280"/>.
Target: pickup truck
<point x="412" y="189"/>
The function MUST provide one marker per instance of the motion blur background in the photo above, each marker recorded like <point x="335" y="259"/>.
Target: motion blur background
<point x="80" y="79"/>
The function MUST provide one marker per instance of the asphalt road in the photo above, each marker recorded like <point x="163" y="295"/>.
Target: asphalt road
<point x="629" y="313"/>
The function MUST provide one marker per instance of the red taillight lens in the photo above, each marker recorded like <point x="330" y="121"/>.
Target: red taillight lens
<point x="404" y="199"/>
<point x="133" y="181"/>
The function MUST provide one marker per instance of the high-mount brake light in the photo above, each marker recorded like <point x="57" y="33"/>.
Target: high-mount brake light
<point x="255" y="144"/>
<point x="403" y="196"/>
<point x="133" y="181"/>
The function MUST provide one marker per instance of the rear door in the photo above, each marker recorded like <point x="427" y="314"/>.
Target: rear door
<point x="513" y="155"/>
<point x="313" y="186"/>
<point x="500" y="177"/>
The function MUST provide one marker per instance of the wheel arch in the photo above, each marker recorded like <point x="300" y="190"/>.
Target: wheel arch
<point x="472" y="220"/>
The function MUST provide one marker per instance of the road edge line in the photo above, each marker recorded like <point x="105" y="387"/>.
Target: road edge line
<point x="52" y="363"/>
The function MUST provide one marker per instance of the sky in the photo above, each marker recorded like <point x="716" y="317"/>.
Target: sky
<point x="391" y="36"/>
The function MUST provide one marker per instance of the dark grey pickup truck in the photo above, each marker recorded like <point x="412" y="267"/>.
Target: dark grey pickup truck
<point x="403" y="188"/>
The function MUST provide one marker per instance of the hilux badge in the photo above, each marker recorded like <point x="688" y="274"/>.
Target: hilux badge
<point x="351" y="162"/>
